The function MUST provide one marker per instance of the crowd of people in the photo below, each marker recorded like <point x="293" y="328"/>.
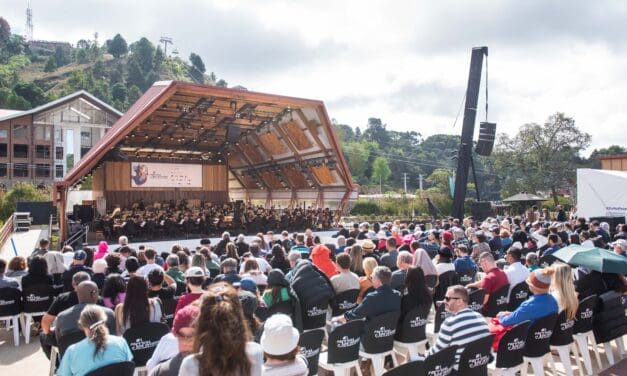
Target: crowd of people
<point x="224" y="292"/>
<point x="176" y="219"/>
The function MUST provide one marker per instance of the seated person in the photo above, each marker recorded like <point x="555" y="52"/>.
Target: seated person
<point x="156" y="278"/>
<point x="279" y="342"/>
<point x="494" y="278"/>
<point x="345" y="279"/>
<point x="540" y="304"/>
<point x="277" y="290"/>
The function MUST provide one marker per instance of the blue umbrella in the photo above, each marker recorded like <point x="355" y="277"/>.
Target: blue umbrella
<point x="593" y="258"/>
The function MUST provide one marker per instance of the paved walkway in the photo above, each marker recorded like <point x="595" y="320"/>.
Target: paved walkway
<point x="25" y="242"/>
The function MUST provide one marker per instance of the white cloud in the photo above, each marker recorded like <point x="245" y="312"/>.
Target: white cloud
<point x="405" y="62"/>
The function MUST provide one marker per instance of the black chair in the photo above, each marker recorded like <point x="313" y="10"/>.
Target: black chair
<point x="310" y="343"/>
<point x="281" y="307"/>
<point x="538" y="342"/>
<point x="440" y="363"/>
<point x="115" y="369"/>
<point x="497" y="302"/>
<point x="411" y="331"/>
<point x="440" y="315"/>
<point x="546" y="260"/>
<point x="467" y="276"/>
<point x="36" y="300"/>
<point x="343" y="347"/>
<point x="562" y="341"/>
<point x="474" y="360"/>
<point x="57" y="283"/>
<point x="519" y="294"/>
<point x="431" y="280"/>
<point x="315" y="315"/>
<point x="344" y="301"/>
<point x="378" y="340"/>
<point x="68" y="339"/>
<point x="582" y="331"/>
<point x="181" y="288"/>
<point x="445" y="280"/>
<point x="143" y="340"/>
<point x="10" y="309"/>
<point x="168" y="306"/>
<point x="475" y="299"/>
<point x="509" y="354"/>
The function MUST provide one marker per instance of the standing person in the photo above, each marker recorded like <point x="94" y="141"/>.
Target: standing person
<point x="462" y="327"/>
<point x="345" y="279"/>
<point x="97" y="350"/>
<point x="176" y="345"/>
<point x="137" y="308"/>
<point x="217" y="351"/>
<point x="279" y="342"/>
<point x="494" y="278"/>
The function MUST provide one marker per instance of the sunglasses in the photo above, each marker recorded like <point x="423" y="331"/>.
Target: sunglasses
<point x="449" y="298"/>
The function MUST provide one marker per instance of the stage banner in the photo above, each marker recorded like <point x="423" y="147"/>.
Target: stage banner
<point x="165" y="175"/>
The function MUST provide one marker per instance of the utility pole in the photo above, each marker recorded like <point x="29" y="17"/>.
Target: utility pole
<point x="405" y="181"/>
<point x="165" y="41"/>
<point x="28" y="32"/>
<point x="420" y="184"/>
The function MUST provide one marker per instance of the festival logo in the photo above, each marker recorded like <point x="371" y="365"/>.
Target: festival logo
<point x="544" y="333"/>
<point x="440" y="371"/>
<point x="478" y="361"/>
<point x="516" y="344"/>
<point x="347" y="305"/>
<point x="310" y="353"/>
<point x="417" y="322"/>
<point x="346" y="341"/>
<point x="383" y="332"/>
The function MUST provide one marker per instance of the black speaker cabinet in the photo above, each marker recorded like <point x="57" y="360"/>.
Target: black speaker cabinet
<point x="485" y="143"/>
<point x="481" y="210"/>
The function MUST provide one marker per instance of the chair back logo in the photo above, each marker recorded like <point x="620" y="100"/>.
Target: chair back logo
<point x="6" y="302"/>
<point x="478" y="361"/>
<point x="383" y="332"/>
<point x="587" y="314"/>
<point x="522" y="294"/>
<point x="544" y="333"/>
<point x="567" y="325"/>
<point x="516" y="344"/>
<point x="440" y="371"/>
<point x="316" y="311"/>
<point x="141" y="344"/>
<point x="346" y="341"/>
<point x="501" y="300"/>
<point x="310" y="353"/>
<point x="417" y="322"/>
<point x="346" y="304"/>
<point x="32" y="298"/>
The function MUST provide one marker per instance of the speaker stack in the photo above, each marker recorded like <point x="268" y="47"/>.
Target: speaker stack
<point x="485" y="143"/>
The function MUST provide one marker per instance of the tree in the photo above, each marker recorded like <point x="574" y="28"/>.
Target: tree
<point x="380" y="170"/>
<point x="61" y="56"/>
<point x="439" y="180"/>
<point x="377" y="132"/>
<point x="51" y="65"/>
<point x="117" y="46"/>
<point x="611" y="150"/>
<point x="82" y="57"/>
<point x="82" y="44"/>
<point x="5" y="31"/>
<point x="158" y="60"/>
<point x="143" y="52"/>
<point x="119" y="92"/>
<point x="541" y="157"/>
<point x="133" y="94"/>
<point x="21" y="192"/>
<point x="222" y="83"/>
<point x="197" y="62"/>
<point x="31" y="92"/>
<point x="99" y="69"/>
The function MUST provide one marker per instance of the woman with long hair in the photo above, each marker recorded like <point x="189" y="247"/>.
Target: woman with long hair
<point x="222" y="345"/>
<point x="113" y="290"/>
<point x="251" y="270"/>
<point x="137" y="309"/>
<point x="563" y="288"/>
<point x="98" y="349"/>
<point x="199" y="261"/>
<point x="417" y="291"/>
<point x="365" y="282"/>
<point x="279" y="261"/>
<point x="357" y="258"/>
<point x="278" y="289"/>
<point x="37" y="273"/>
<point x="231" y="252"/>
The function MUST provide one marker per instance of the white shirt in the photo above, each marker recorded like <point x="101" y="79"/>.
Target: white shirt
<point x="68" y="257"/>
<point x="167" y="348"/>
<point x="189" y="367"/>
<point x="444" y="267"/>
<point x="144" y="270"/>
<point x="264" y="266"/>
<point x="516" y="273"/>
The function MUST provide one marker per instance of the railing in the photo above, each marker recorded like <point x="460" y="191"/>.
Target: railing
<point x="76" y="236"/>
<point x="6" y="231"/>
<point x="51" y="222"/>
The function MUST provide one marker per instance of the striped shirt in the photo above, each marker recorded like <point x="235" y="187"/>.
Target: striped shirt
<point x="464" y="327"/>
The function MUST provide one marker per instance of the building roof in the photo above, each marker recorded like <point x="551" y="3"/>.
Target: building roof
<point x="57" y="102"/>
<point x="613" y="156"/>
<point x="5" y="112"/>
<point x="268" y="141"/>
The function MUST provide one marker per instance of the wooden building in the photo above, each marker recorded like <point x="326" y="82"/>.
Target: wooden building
<point x="195" y="142"/>
<point x="613" y="162"/>
<point x="35" y="144"/>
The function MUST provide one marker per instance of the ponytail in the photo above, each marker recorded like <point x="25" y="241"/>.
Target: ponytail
<point x="94" y="320"/>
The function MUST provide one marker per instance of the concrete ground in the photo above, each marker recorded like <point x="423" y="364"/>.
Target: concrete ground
<point x="24" y="241"/>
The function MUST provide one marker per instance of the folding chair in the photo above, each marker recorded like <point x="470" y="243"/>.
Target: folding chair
<point x="310" y="343"/>
<point x="10" y="309"/>
<point x="582" y="331"/>
<point x="315" y="315"/>
<point x="475" y="357"/>
<point x="519" y="294"/>
<point x="36" y="300"/>
<point x="378" y="340"/>
<point x="344" y="301"/>
<point x="411" y="332"/>
<point x="538" y="342"/>
<point x="343" y="348"/>
<point x="441" y="363"/>
<point x="497" y="302"/>
<point x="115" y="369"/>
<point x="475" y="299"/>
<point x="467" y="276"/>
<point x="143" y="340"/>
<point x="509" y="354"/>
<point x="562" y="341"/>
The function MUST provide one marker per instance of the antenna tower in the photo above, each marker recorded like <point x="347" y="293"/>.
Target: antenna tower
<point x="28" y="31"/>
<point x="165" y="41"/>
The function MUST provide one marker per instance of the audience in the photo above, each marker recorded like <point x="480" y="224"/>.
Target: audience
<point x="538" y="305"/>
<point x="279" y="342"/>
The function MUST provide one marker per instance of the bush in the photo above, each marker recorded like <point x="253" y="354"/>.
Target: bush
<point x="20" y="192"/>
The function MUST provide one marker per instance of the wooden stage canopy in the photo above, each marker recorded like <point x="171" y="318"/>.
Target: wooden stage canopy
<point x="252" y="146"/>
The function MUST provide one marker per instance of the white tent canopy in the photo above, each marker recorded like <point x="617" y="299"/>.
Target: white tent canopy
<point x="601" y="193"/>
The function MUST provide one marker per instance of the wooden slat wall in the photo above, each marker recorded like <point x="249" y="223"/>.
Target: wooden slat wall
<point x="270" y="179"/>
<point x="98" y="180"/>
<point x="297" y="135"/>
<point x="295" y="178"/>
<point x="251" y="152"/>
<point x="214" y="178"/>
<point x="323" y="174"/>
<point x="272" y="143"/>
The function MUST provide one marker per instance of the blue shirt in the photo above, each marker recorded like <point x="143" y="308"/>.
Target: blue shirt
<point x="537" y="306"/>
<point x="79" y="358"/>
<point x="464" y="263"/>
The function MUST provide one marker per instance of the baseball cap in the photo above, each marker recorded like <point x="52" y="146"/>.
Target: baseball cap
<point x="279" y="335"/>
<point x="185" y="318"/>
<point x="80" y="255"/>
<point x="194" y="271"/>
<point x="246" y="284"/>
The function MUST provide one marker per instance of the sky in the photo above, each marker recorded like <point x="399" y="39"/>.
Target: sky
<point x="405" y="62"/>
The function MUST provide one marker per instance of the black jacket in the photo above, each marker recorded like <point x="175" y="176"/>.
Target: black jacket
<point x="311" y="285"/>
<point x="609" y="317"/>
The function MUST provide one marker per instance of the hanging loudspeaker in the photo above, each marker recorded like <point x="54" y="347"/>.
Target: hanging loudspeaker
<point x="232" y="133"/>
<point x="485" y="143"/>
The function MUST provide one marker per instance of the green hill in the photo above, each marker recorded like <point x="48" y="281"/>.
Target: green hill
<point x="33" y="73"/>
